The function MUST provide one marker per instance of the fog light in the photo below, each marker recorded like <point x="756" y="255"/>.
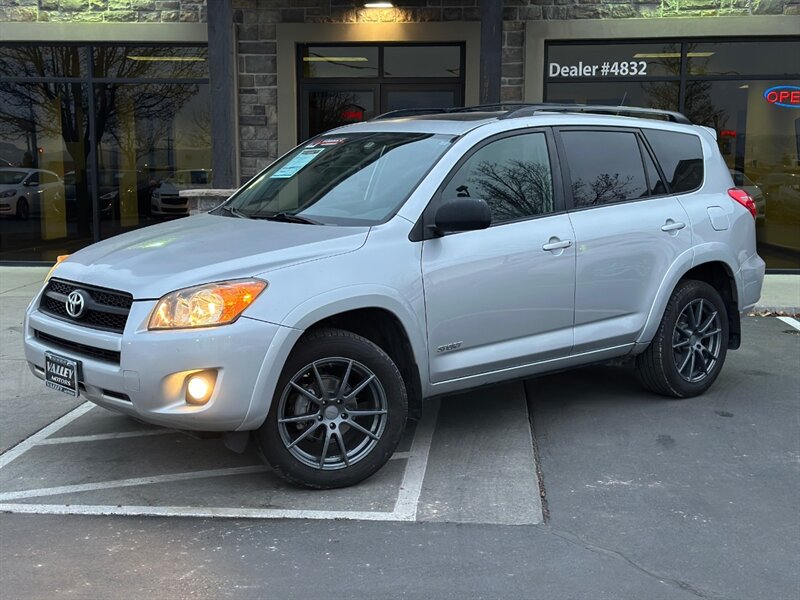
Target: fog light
<point x="199" y="387"/>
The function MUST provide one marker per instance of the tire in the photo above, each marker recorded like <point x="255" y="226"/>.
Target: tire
<point x="686" y="356"/>
<point x="306" y="450"/>
<point x="23" y="211"/>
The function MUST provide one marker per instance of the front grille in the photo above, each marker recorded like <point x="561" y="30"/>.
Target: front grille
<point x="82" y="349"/>
<point x="173" y="200"/>
<point x="106" y="309"/>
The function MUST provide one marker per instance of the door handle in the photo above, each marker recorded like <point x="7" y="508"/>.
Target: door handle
<point x="557" y="245"/>
<point x="671" y="225"/>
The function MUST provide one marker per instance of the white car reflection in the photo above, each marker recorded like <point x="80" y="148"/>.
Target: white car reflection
<point x="166" y="200"/>
<point x="28" y="191"/>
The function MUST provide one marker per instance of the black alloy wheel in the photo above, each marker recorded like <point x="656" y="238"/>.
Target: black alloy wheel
<point x="338" y="412"/>
<point x="690" y="345"/>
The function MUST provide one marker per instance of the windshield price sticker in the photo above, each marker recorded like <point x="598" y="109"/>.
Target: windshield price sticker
<point x="623" y="68"/>
<point x="298" y="162"/>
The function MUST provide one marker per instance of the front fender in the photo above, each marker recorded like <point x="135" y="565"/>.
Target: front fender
<point x="320" y="307"/>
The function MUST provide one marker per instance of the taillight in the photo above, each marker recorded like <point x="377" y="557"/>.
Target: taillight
<point x="744" y="199"/>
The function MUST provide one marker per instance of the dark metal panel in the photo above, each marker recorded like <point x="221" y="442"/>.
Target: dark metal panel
<point x="491" y="50"/>
<point x="222" y="74"/>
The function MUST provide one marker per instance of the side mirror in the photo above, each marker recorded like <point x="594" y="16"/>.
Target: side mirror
<point x="462" y="214"/>
<point x="31" y="183"/>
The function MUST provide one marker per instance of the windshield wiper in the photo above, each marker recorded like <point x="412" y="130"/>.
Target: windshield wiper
<point x="234" y="212"/>
<point x="288" y="218"/>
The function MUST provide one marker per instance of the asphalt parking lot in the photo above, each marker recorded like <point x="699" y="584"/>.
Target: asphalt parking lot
<point x="632" y="496"/>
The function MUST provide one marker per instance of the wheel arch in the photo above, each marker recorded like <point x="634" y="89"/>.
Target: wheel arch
<point x="379" y="315"/>
<point x="712" y="267"/>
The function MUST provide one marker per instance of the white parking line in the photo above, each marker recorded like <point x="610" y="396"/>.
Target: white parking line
<point x="105" y="485"/>
<point x="405" y="508"/>
<point x="790" y="321"/>
<point x="105" y="436"/>
<point x="193" y="511"/>
<point x="37" y="437"/>
<point x="411" y="488"/>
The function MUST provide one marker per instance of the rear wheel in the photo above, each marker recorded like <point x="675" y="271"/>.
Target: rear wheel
<point x="338" y="412"/>
<point x="690" y="345"/>
<point x="23" y="211"/>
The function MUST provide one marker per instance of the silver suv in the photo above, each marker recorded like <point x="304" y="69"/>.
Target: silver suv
<point x="409" y="257"/>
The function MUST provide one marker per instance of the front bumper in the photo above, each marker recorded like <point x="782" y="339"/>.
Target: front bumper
<point x="149" y="380"/>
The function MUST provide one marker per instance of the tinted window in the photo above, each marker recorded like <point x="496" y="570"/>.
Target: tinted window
<point x="48" y="177"/>
<point x="512" y="175"/>
<point x="605" y="167"/>
<point x="657" y="187"/>
<point x="681" y="158"/>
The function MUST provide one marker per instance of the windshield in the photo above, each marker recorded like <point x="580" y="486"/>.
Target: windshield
<point x="12" y="177"/>
<point x="345" y="179"/>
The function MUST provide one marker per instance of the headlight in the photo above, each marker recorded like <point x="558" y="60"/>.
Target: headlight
<point x="59" y="260"/>
<point x="204" y="305"/>
<point x="8" y="193"/>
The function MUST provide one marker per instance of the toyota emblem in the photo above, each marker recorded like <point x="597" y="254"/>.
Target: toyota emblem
<point x="76" y="304"/>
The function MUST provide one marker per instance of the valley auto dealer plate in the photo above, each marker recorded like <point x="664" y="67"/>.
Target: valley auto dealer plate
<point x="61" y="373"/>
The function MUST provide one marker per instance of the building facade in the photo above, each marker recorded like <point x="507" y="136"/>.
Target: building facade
<point x="109" y="108"/>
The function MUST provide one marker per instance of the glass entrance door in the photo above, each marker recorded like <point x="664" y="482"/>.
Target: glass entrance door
<point x="344" y="84"/>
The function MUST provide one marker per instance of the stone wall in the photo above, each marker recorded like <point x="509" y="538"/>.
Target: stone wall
<point x="116" y="11"/>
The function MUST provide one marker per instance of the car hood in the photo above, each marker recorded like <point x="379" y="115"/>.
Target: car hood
<point x="153" y="261"/>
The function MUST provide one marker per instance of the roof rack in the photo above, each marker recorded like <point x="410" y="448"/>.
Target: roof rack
<point x="410" y="112"/>
<point x="523" y="109"/>
<point x="631" y="111"/>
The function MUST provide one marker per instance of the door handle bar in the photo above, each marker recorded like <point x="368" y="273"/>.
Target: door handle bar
<point x="673" y="226"/>
<point x="557" y="245"/>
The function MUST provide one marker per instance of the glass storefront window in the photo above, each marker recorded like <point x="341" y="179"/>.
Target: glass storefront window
<point x="582" y="61"/>
<point x="340" y="61"/>
<point x="422" y="61"/>
<point x="664" y="95"/>
<point x="743" y="58"/>
<point x="43" y="135"/>
<point x="148" y="140"/>
<point x="153" y="62"/>
<point x="42" y="61"/>
<point x="156" y="141"/>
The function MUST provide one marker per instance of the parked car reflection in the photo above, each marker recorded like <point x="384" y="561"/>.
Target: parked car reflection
<point x="166" y="200"/>
<point x="28" y="191"/>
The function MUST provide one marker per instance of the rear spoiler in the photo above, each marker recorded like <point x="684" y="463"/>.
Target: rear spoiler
<point x="710" y="130"/>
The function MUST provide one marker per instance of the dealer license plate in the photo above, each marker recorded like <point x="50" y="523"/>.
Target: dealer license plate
<point x="61" y="373"/>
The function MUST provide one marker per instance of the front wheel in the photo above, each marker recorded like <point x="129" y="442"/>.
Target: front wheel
<point x="338" y="412"/>
<point x="690" y="345"/>
<point x="23" y="212"/>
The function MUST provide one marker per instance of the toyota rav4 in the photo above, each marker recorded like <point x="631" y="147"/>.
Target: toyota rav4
<point x="407" y="257"/>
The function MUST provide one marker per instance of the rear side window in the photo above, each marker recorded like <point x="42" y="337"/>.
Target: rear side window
<point x="681" y="158"/>
<point x="604" y="166"/>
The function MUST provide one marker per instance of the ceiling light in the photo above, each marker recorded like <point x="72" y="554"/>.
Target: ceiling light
<point x="744" y="87"/>
<point x="168" y="58"/>
<point x="671" y="54"/>
<point x="335" y="59"/>
<point x="378" y="5"/>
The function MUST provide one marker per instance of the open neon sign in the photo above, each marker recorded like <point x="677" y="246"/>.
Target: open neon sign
<point x="787" y="96"/>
